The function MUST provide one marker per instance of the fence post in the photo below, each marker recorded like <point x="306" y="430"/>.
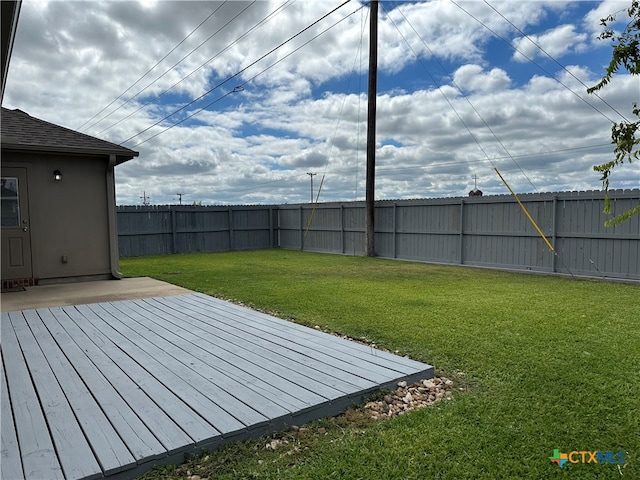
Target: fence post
<point x="395" y="228"/>
<point x="230" y="216"/>
<point x="461" y="242"/>
<point x="270" y="213"/>
<point x="341" y="227"/>
<point x="174" y="233"/>
<point x="301" y="231"/>
<point x="554" y="233"/>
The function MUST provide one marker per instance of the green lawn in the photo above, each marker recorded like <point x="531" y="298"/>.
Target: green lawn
<point x="545" y="363"/>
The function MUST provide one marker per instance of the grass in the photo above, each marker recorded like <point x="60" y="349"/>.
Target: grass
<point x="546" y="362"/>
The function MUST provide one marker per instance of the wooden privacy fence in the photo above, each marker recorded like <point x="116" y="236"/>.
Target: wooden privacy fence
<point x="489" y="231"/>
<point x="167" y="229"/>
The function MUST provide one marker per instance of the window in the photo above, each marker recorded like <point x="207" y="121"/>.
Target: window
<point x="10" y="203"/>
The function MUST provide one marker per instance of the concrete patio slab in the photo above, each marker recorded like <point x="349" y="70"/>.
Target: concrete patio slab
<point x="45" y="296"/>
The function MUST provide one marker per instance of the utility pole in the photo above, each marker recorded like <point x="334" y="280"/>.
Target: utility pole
<point x="145" y="199"/>
<point x="311" y="175"/>
<point x="180" y="197"/>
<point x="370" y="250"/>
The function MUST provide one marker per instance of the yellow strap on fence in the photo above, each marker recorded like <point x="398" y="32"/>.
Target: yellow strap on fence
<point x="313" y="211"/>
<point x="533" y="222"/>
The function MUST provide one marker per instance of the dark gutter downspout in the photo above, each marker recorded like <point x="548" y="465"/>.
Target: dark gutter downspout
<point x="114" y="253"/>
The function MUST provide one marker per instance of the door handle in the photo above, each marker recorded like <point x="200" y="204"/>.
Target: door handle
<point x="25" y="229"/>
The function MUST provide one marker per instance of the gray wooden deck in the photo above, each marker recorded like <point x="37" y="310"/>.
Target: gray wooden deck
<point x="109" y="389"/>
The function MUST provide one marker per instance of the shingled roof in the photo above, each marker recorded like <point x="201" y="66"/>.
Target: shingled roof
<point x="22" y="132"/>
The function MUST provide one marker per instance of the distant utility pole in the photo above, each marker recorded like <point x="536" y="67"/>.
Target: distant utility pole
<point x="145" y="199"/>
<point x="311" y="175"/>
<point x="180" y="196"/>
<point x="370" y="250"/>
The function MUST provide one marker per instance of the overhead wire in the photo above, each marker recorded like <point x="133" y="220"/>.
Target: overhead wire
<point x="228" y="79"/>
<point x="488" y="158"/>
<point x="362" y="29"/>
<point x="349" y="170"/>
<point x="253" y="186"/>
<point x="548" y="153"/>
<point x="582" y="99"/>
<point x="529" y="217"/>
<point x="464" y="95"/>
<point x="537" y="45"/>
<point x="237" y="15"/>
<point x="148" y="71"/>
<point x="335" y="133"/>
<point x="347" y="88"/>
<point x="261" y="23"/>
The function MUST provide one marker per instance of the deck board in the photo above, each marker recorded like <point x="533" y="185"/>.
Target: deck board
<point x="109" y="389"/>
<point x="283" y="349"/>
<point x="10" y="463"/>
<point x="74" y="452"/>
<point x="165" y="430"/>
<point x="323" y="345"/>
<point x="261" y="396"/>
<point x="39" y="458"/>
<point x="140" y="441"/>
<point x="161" y="384"/>
<point x="102" y="439"/>
<point x="314" y="337"/>
<point x="252" y="375"/>
<point x="195" y="390"/>
<point x="220" y="388"/>
<point x="242" y="349"/>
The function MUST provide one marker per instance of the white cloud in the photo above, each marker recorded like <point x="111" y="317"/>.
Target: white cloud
<point x="473" y="78"/>
<point x="556" y="43"/>
<point x="309" y="111"/>
<point x="603" y="9"/>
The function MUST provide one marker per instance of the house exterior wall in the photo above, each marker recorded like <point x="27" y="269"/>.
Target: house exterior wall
<point x="69" y="218"/>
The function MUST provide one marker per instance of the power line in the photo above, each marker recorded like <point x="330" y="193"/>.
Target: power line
<point x="533" y="61"/>
<point x="147" y="73"/>
<point x="237" y="40"/>
<point x="475" y="139"/>
<point x="241" y="86"/>
<point x="554" y="60"/>
<point x="489" y="160"/>
<point x="344" y="100"/>
<point x="253" y="186"/>
<point x="176" y="64"/>
<point x="347" y="170"/>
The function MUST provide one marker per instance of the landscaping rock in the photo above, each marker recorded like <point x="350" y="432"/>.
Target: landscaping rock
<point x="409" y="397"/>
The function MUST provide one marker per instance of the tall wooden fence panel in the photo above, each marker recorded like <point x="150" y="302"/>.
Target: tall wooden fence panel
<point x="161" y="230"/>
<point x="490" y="231"/>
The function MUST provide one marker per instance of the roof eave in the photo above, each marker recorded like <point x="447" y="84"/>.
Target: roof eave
<point x="122" y="155"/>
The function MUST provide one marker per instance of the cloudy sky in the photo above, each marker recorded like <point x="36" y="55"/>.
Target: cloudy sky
<point x="237" y="102"/>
